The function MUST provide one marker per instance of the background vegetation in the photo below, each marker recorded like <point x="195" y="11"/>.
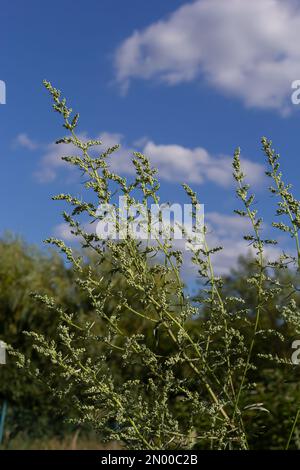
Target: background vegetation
<point x="35" y="421"/>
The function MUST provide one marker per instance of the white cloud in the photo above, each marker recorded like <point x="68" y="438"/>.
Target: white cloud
<point x="23" y="140"/>
<point x="196" y="165"/>
<point x="51" y="161"/>
<point x="181" y="164"/>
<point x="228" y="231"/>
<point x="248" y="49"/>
<point x="227" y="225"/>
<point x="63" y="231"/>
<point x="174" y="162"/>
<point x="223" y="230"/>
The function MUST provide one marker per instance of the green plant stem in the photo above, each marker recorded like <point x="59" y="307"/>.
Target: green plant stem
<point x="293" y="429"/>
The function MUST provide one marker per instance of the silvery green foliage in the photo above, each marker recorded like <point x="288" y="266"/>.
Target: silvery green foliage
<point x="183" y="388"/>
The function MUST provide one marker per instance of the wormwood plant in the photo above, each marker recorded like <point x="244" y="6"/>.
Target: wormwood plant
<point x="139" y="372"/>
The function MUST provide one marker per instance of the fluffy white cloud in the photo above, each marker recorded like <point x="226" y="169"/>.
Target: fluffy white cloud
<point x="174" y="162"/>
<point x="190" y="165"/>
<point x="247" y="49"/>
<point x="196" y="165"/>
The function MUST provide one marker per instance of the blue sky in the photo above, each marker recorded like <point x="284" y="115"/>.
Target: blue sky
<point x="186" y="82"/>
